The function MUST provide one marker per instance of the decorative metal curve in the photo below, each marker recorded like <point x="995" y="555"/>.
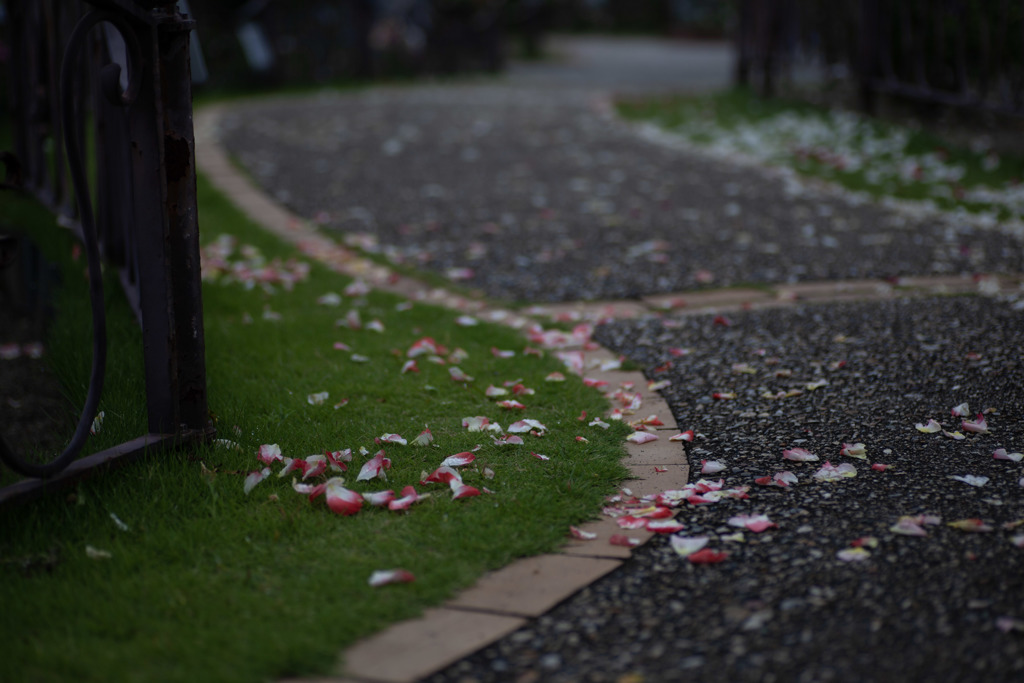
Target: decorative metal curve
<point x="110" y="87"/>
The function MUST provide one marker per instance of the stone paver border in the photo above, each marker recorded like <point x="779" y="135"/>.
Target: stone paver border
<point x="503" y="601"/>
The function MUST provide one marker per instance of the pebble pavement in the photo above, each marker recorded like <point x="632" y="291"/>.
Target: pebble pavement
<point x="541" y="195"/>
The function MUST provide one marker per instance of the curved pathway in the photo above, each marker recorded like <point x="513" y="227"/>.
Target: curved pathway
<point x="531" y="190"/>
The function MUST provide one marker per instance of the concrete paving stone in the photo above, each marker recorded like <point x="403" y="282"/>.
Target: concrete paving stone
<point x="533" y="585"/>
<point x="691" y="301"/>
<point x="646" y="481"/>
<point x="605" y="528"/>
<point x="591" y="311"/>
<point x="851" y="289"/>
<point x="660" y="452"/>
<point x="412" y="649"/>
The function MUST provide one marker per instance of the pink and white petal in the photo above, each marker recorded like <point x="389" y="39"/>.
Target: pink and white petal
<point x="293" y="465"/>
<point x="315" y="466"/>
<point x="976" y="426"/>
<point x="665" y="526"/>
<point x="683" y="436"/>
<point x="460" y="490"/>
<point x="379" y="498"/>
<point x="707" y="556"/>
<point x="578" y="533"/>
<point x="442" y="475"/>
<point x="929" y="427"/>
<point x="254" y="478"/>
<point x="383" y="577"/>
<point x="962" y="410"/>
<point x="410" y="366"/>
<point x="854" y="450"/>
<point x="973" y="524"/>
<point x="394" y="438"/>
<point x="269" y="453"/>
<point x="424" y="439"/>
<point x="494" y="392"/>
<point x="971" y="479"/>
<point x="1001" y="454"/>
<point x="857" y="554"/>
<point x="685" y="546"/>
<point x="458" y="460"/>
<point x="540" y="456"/>
<point x="623" y="540"/>
<point x="799" y="455"/>
<point x="756" y="523"/>
<point x="341" y="500"/>
<point x="711" y="466"/>
<point x="641" y="437"/>
<point x="908" y="526"/>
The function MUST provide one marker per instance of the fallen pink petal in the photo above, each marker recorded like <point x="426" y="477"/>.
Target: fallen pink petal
<point x="383" y="577"/>
<point x="379" y="498"/>
<point x="641" y="437"/>
<point x="665" y="526"/>
<point x="410" y="366"/>
<point x="970" y="479"/>
<point x="686" y="436"/>
<point x="269" y="453"/>
<point x="623" y="540"/>
<point x="442" y="475"/>
<point x="458" y="375"/>
<point x="526" y="425"/>
<point x="799" y="455"/>
<point x="458" y="460"/>
<point x="555" y="377"/>
<point x="337" y="459"/>
<point x="507" y="440"/>
<point x="375" y="467"/>
<point x="315" y="466"/>
<point x="511" y="405"/>
<point x="578" y="533"/>
<point x="685" y="546"/>
<point x="460" y="490"/>
<point x="393" y="438"/>
<point x="854" y="450"/>
<point x="756" y="523"/>
<point x="929" y="427"/>
<point x="254" y="478"/>
<point x="830" y="472"/>
<point x="425" y="438"/>
<point x="880" y="467"/>
<point x="972" y="524"/>
<point x="711" y="466"/>
<point x="1001" y="454"/>
<point x="707" y="556"/>
<point x="493" y="391"/>
<point x="340" y="500"/>
<point x="976" y="426"/>
<point x="475" y="424"/>
<point x="409" y="496"/>
<point x="293" y="465"/>
<point x="540" y="456"/>
<point x="962" y="410"/>
<point x="857" y="554"/>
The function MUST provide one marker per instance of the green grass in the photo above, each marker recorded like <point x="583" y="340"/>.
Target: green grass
<point x="210" y="584"/>
<point x="879" y="158"/>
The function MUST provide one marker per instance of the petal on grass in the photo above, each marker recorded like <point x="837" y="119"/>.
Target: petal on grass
<point x="269" y="453"/>
<point x="442" y="475"/>
<point x="254" y="478"/>
<point x="394" y="438"/>
<point x="383" y="577"/>
<point x="379" y="498"/>
<point x="424" y="439"/>
<point x="315" y="466"/>
<point x="340" y="500"/>
<point x="526" y="425"/>
<point x="374" y="467"/>
<point x="409" y="496"/>
<point x="511" y="405"/>
<point x="460" y="490"/>
<point x="458" y="460"/>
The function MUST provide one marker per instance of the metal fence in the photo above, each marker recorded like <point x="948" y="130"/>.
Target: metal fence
<point x="961" y="53"/>
<point x="116" y="73"/>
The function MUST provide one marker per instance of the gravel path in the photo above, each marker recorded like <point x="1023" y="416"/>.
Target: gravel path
<point x="542" y="195"/>
<point x="948" y="606"/>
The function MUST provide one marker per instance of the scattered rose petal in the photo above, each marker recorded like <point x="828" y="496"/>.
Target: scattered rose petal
<point x="499" y="353"/>
<point x="97" y="554"/>
<point x="782" y="479"/>
<point x="359" y="358"/>
<point x="880" y="467"/>
<point x="293" y="465"/>
<point x="707" y="556"/>
<point x="525" y="426"/>
<point x="340" y="500"/>
<point x="685" y="546"/>
<point x="442" y="475"/>
<point x="956" y="436"/>
<point x="756" y="523"/>
<point x="341" y="346"/>
<point x="973" y="524"/>
<point x="409" y="496"/>
<point x="539" y="456"/>
<point x="254" y="478"/>
<point x="971" y="479"/>
<point x="641" y="437"/>
<point x="723" y="395"/>
<point x="854" y="450"/>
<point x="976" y="426"/>
<point x="460" y="490"/>
<point x="379" y="498"/>
<point x="665" y="526"/>
<point x="337" y="459"/>
<point x="578" y="533"/>
<point x="341" y="404"/>
<point x="555" y="377"/>
<point x="394" y="438"/>
<point x="269" y="453"/>
<point x="799" y="455"/>
<point x="623" y="540"/>
<point x="1001" y="454"/>
<point x="659" y="385"/>
<point x="929" y="427"/>
<point x="830" y="472"/>
<point x="962" y="410"/>
<point x="375" y="326"/>
<point x="458" y="460"/>
<point x="317" y="398"/>
<point x="711" y="466"/>
<point x="507" y="440"/>
<point x="382" y="577"/>
<point x="97" y="423"/>
<point x="493" y="391"/>
<point x="458" y="375"/>
<point x="466" y="321"/>
<point x="683" y="436"/>
<point x="1007" y="624"/>
<point x="329" y="299"/>
<point x="511" y="405"/>
<point x="857" y="554"/>
<point x="315" y="466"/>
<point x="374" y="467"/>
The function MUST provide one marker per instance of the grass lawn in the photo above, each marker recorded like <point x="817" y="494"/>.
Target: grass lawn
<point x="190" y="578"/>
<point x="880" y="159"/>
